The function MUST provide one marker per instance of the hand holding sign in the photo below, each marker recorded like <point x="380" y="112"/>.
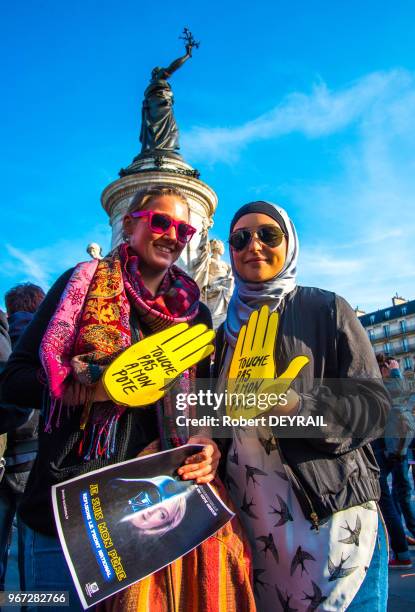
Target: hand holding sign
<point x="253" y="358"/>
<point x="141" y="374"/>
<point x="253" y="365"/>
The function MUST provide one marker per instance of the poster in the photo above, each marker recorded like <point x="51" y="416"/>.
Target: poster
<point x="124" y="522"/>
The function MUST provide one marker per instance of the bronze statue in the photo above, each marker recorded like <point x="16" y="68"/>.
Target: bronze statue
<point x="159" y="132"/>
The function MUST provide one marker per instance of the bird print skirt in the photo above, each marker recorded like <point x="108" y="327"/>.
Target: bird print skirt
<point x="295" y="566"/>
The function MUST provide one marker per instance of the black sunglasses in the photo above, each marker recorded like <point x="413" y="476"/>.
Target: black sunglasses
<point x="270" y="235"/>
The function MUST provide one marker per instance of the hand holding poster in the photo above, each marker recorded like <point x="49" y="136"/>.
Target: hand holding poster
<point x="139" y="375"/>
<point x="124" y="522"/>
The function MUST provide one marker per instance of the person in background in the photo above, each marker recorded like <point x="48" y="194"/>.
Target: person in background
<point x="394" y="369"/>
<point x="398" y="447"/>
<point x="5" y="344"/>
<point x="383" y="365"/>
<point x="21" y="301"/>
<point x="5" y="349"/>
<point x="391" y="455"/>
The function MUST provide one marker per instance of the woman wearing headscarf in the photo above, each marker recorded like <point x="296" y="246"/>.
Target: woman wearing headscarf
<point x="90" y="316"/>
<point x="308" y="504"/>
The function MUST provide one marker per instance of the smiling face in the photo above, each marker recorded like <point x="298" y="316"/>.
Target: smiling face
<point x="258" y="262"/>
<point x="157" y="252"/>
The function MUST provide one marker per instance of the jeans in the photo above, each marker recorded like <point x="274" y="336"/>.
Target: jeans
<point x="402" y="493"/>
<point x="45" y="568"/>
<point x="388" y="508"/>
<point x="373" y="593"/>
<point x="9" y="501"/>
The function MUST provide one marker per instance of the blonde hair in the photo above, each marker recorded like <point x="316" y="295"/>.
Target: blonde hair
<point x="143" y="197"/>
<point x="176" y="507"/>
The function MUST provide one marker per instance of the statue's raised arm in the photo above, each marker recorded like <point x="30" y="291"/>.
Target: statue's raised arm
<point x="190" y="44"/>
<point x="159" y="133"/>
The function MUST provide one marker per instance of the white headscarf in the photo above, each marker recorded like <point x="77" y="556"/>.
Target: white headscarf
<point x="250" y="296"/>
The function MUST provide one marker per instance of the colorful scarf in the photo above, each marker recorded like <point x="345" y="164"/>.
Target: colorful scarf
<point x="91" y="326"/>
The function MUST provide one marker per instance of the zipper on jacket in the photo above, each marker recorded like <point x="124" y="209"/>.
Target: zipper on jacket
<point x="312" y="514"/>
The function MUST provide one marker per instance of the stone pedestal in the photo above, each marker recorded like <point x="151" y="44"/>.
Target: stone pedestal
<point x="160" y="170"/>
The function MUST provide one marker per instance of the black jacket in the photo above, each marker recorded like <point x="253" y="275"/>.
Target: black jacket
<point x="22" y="440"/>
<point x="58" y="458"/>
<point x="5" y="344"/>
<point x="328" y="473"/>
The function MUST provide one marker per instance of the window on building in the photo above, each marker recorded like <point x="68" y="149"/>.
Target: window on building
<point x="405" y="345"/>
<point x="403" y="310"/>
<point x="371" y="334"/>
<point x="387" y="348"/>
<point x="407" y="363"/>
<point x="372" y="319"/>
<point x="386" y="331"/>
<point x="387" y="314"/>
<point x="403" y="326"/>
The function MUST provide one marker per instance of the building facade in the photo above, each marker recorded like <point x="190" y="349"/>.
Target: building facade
<point x="392" y="331"/>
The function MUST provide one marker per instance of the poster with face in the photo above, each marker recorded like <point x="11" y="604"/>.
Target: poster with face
<point x="124" y="522"/>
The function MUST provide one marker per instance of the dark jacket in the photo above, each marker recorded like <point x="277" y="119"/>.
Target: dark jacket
<point x="22" y="440"/>
<point x="5" y="349"/>
<point x="58" y="458"/>
<point x="5" y="345"/>
<point x="328" y="472"/>
<point x="10" y="416"/>
<point x="18" y="321"/>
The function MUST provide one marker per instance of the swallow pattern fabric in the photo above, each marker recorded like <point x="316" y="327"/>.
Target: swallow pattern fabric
<point x="296" y="568"/>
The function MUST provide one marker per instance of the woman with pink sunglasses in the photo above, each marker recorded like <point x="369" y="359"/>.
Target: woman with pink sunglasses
<point x="90" y="315"/>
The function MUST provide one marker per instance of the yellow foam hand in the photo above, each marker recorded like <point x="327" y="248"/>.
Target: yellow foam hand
<point x="144" y="371"/>
<point x="253" y="358"/>
<point x="252" y="370"/>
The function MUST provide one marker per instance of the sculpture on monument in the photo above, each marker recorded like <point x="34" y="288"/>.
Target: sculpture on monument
<point x="94" y="250"/>
<point x="159" y="131"/>
<point x="160" y="163"/>
<point x="220" y="286"/>
<point x="200" y="265"/>
<point x="213" y="275"/>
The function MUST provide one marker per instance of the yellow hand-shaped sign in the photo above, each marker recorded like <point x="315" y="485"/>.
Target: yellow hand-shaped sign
<point x="253" y="368"/>
<point x="141" y="374"/>
<point x="253" y="357"/>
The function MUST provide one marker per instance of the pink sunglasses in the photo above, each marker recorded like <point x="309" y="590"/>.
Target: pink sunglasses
<point x="160" y="223"/>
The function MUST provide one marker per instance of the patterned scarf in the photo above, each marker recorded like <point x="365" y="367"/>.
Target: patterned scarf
<point x="91" y="326"/>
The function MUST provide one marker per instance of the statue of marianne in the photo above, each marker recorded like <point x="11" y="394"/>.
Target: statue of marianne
<point x="159" y="132"/>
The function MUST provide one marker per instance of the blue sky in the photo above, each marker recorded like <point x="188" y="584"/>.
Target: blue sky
<point x="308" y="104"/>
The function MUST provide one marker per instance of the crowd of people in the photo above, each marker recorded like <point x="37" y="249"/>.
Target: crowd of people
<point x="309" y="531"/>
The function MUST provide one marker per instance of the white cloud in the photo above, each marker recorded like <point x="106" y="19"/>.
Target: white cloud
<point x="368" y="280"/>
<point x="27" y="266"/>
<point x="43" y="265"/>
<point x="367" y="212"/>
<point x="317" y="114"/>
<point x="358" y="226"/>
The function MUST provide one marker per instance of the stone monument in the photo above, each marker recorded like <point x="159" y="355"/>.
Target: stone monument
<point x="159" y="161"/>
